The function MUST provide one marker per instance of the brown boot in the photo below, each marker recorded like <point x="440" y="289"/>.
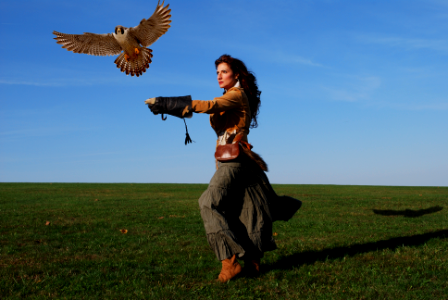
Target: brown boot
<point x="230" y="268"/>
<point x="252" y="267"/>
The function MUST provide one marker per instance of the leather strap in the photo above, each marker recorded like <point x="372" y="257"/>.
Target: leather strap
<point x="237" y="138"/>
<point x="244" y="144"/>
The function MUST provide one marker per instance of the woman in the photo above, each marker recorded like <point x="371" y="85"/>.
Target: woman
<point x="239" y="205"/>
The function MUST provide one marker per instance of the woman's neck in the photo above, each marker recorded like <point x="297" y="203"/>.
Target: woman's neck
<point x="237" y="85"/>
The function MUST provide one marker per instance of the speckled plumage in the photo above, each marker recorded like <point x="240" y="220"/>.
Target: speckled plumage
<point x="135" y="58"/>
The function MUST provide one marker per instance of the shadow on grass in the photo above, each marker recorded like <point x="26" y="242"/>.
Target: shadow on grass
<point x="409" y="213"/>
<point x="310" y="257"/>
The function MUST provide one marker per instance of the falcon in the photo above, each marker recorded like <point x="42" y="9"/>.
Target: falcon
<point x="135" y="58"/>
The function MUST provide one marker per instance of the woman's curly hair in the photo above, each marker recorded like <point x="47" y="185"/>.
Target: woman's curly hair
<point x="247" y="81"/>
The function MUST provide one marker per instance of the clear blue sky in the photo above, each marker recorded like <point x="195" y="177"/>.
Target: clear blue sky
<point x="353" y="92"/>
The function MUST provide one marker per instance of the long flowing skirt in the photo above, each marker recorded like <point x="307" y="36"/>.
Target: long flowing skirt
<point x="238" y="209"/>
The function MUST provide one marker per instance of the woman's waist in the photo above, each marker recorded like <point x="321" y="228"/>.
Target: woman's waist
<point x="221" y="124"/>
<point x="240" y="161"/>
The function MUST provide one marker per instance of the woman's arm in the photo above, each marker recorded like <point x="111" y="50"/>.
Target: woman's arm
<point x="232" y="99"/>
<point x="183" y="106"/>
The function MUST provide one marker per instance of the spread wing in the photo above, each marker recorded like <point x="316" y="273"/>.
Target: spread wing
<point x="149" y="30"/>
<point x="89" y="43"/>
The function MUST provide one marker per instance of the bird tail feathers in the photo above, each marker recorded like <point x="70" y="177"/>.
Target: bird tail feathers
<point x="135" y="66"/>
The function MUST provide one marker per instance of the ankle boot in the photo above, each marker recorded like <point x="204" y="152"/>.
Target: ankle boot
<point x="252" y="267"/>
<point x="230" y="268"/>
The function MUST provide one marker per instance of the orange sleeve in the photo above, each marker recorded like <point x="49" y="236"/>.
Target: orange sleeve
<point x="230" y="100"/>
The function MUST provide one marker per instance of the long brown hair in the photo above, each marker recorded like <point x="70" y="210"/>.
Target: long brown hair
<point x="247" y="81"/>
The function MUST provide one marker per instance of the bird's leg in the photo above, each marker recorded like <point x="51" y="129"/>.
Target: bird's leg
<point x="137" y="51"/>
<point x="126" y="56"/>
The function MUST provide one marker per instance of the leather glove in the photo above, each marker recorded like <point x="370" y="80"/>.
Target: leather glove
<point x="175" y="106"/>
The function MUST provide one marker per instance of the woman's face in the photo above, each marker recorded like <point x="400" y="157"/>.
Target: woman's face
<point x="226" y="78"/>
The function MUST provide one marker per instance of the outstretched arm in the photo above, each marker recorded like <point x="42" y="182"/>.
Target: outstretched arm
<point x="183" y="107"/>
<point x="230" y="100"/>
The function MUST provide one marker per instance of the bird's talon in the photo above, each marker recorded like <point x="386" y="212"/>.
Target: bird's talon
<point x="137" y="51"/>
<point x="126" y="57"/>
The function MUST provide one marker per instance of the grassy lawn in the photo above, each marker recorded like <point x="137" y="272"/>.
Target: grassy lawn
<point x="146" y="241"/>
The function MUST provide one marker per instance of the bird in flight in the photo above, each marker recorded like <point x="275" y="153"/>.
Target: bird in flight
<point x="135" y="58"/>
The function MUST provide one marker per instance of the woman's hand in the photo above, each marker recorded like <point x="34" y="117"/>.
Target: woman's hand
<point x="176" y="106"/>
<point x="150" y="101"/>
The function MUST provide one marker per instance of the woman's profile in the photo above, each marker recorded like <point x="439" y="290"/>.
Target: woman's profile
<point x="239" y="205"/>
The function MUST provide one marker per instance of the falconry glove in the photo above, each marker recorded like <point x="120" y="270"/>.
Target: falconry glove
<point x="175" y="106"/>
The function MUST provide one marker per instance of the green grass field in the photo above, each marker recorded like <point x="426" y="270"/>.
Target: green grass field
<point x="146" y="241"/>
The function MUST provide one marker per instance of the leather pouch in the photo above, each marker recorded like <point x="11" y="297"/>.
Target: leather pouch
<point x="229" y="151"/>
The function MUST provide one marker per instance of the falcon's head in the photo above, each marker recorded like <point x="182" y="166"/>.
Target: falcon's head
<point x="120" y="29"/>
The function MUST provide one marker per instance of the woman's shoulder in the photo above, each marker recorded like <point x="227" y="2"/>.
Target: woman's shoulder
<point x="235" y="89"/>
<point x="236" y="92"/>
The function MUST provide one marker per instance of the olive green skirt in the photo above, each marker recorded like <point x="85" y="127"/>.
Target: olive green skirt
<point x="238" y="209"/>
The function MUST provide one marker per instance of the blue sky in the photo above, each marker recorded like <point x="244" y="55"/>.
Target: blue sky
<point x="353" y="92"/>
